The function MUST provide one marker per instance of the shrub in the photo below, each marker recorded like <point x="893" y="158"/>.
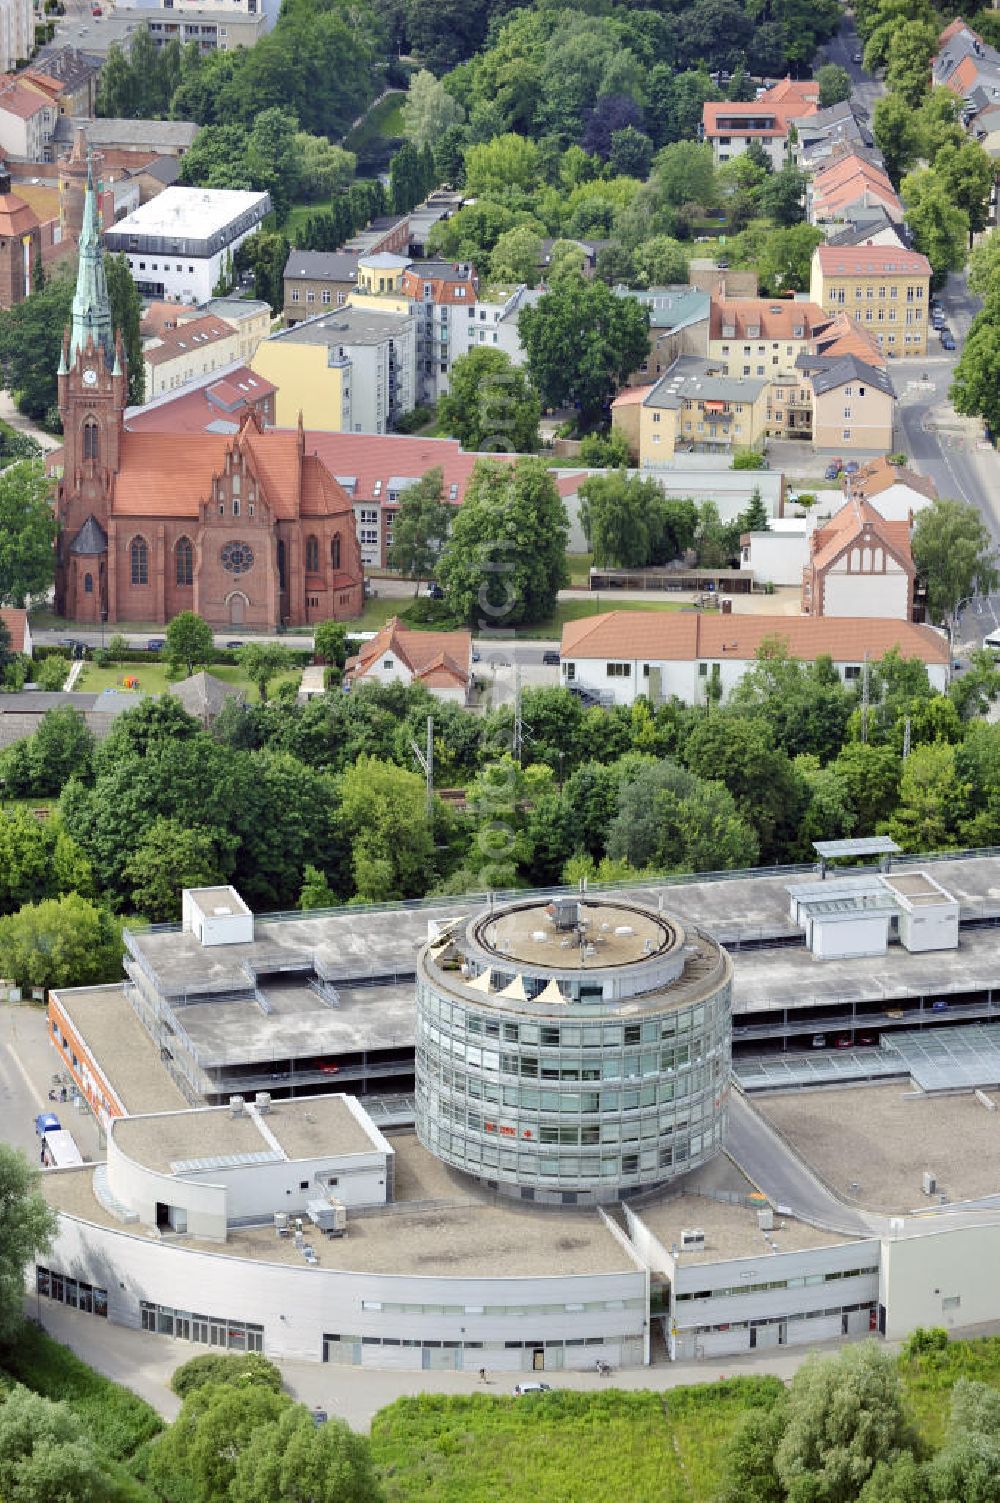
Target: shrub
<point x="921" y="1341"/>
<point x="410" y="422"/>
<point x="245" y="1370"/>
<point x="117" y="1421"/>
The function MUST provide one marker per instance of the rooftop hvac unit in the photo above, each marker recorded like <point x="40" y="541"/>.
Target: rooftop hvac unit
<point x="691" y="1237"/>
<point x="329" y="1216"/>
<point x="280" y="1224"/>
<point x="262" y="1101"/>
<point x="236" y="1105"/>
<point x="567" y="913"/>
<point x="929" y="1183"/>
<point x="765" y="1220"/>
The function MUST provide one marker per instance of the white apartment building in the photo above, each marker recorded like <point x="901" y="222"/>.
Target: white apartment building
<point x="180" y="243"/>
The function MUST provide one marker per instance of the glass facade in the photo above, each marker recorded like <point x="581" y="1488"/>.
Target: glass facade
<point x="578" y="1105"/>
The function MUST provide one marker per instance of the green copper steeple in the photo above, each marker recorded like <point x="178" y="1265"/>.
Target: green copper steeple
<point x="91" y="308"/>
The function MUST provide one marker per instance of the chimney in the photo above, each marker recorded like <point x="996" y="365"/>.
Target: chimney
<point x="4" y="181"/>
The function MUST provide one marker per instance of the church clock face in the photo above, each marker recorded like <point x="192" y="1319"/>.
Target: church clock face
<point x="237" y="557"/>
<point x="90" y="376"/>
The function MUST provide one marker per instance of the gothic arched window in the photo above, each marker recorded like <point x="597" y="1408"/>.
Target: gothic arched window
<point x="139" y="559"/>
<point x="88" y="584"/>
<point x="91" y="439"/>
<point x="185" y="561"/>
<point x="335" y="551"/>
<point x="281" y="565"/>
<point x="312" y="555"/>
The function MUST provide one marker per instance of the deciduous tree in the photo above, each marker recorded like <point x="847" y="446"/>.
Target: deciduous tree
<point x="262" y="662"/>
<point x="429" y="110"/>
<point x="59" y="942"/>
<point x="490" y="406"/>
<point x="953" y="551"/>
<point x="168" y="858"/>
<point x="421" y="527"/>
<point x="582" y="343"/>
<point x="27" y="532"/>
<point x="505" y="560"/>
<point x="834" y="85"/>
<point x="189" y="641"/>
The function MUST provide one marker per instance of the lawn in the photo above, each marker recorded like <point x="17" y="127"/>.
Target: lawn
<point x="374" y="142"/>
<point x="592" y="605"/>
<point x="562" y="1446"/>
<point x="579" y="565"/>
<point x="157" y="678"/>
<point x="929" y="1378"/>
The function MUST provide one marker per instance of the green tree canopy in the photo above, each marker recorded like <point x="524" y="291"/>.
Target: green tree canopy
<point x="262" y="662"/>
<point x="505" y="559"/>
<point x="429" y="110"/>
<point x="954" y="553"/>
<point x="939" y="225"/>
<point x="294" y="1460"/>
<point x="490" y="406"/>
<point x="834" y="84"/>
<point x="27" y="1227"/>
<point x="60" y="942"/>
<point x="421" y="527"/>
<point x="189" y="641"/>
<point x="168" y="858"/>
<point x="27" y="532"/>
<point x="45" y="1456"/>
<point x="582" y="343"/>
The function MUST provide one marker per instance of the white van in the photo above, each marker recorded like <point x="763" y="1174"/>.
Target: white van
<point x="992" y="642"/>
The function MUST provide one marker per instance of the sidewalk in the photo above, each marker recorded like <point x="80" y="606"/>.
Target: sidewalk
<point x="144" y="1363"/>
<point x="10" y="414"/>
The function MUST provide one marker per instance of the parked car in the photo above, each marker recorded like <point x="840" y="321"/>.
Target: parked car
<point x="550" y="658"/>
<point x="156" y="644"/>
<point x="232" y="646"/>
<point x="832" y="471"/>
<point x="475" y="655"/>
<point x="866" y="1039"/>
<point x="858" y="58"/>
<point x="851" y="467"/>
<point x="819" y="1040"/>
<point x="939" y="1006"/>
<point x="947" y="342"/>
<point x="842" y="1041"/>
<point x="434" y="591"/>
<point x="522" y="1388"/>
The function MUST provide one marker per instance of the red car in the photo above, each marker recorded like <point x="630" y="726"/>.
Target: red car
<point x="842" y="1041"/>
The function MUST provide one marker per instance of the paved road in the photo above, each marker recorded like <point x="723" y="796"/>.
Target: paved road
<point x="939" y="443"/>
<point x="841" y="49"/>
<point x="785" y="1180"/>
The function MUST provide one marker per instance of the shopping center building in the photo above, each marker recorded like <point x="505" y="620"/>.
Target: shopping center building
<point x="464" y="1134"/>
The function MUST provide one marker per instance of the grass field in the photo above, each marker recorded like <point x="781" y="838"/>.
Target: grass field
<point x="156" y="678"/>
<point x="562" y="1447"/>
<point x="374" y="141"/>
<point x="579" y="565"/>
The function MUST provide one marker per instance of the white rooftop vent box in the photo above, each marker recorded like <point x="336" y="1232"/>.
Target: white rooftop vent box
<point x="236" y="1105"/>
<point x="216" y="916"/>
<point x="929" y="1183"/>
<point x="262" y="1101"/>
<point x="692" y="1237"/>
<point x="765" y="1220"/>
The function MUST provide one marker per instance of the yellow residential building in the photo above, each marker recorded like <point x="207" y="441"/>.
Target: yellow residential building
<point x="691" y="408"/>
<point x="757" y="336"/>
<point x="351" y="370"/>
<point x="884" y="288"/>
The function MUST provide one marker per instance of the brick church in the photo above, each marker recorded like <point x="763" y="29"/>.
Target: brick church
<point x="246" y="529"/>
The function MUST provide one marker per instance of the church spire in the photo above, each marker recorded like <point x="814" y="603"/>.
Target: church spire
<point x="91" y="307"/>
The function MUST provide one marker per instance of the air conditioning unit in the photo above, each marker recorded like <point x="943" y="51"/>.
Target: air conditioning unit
<point x="236" y="1105"/>
<point x="691" y="1237"/>
<point x="929" y="1183"/>
<point x="262" y="1101"/>
<point x="765" y="1220"/>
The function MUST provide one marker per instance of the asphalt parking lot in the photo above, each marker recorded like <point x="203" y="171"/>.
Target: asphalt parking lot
<point x="27" y="1065"/>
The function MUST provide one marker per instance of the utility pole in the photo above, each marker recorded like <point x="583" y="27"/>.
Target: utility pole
<point x="426" y="760"/>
